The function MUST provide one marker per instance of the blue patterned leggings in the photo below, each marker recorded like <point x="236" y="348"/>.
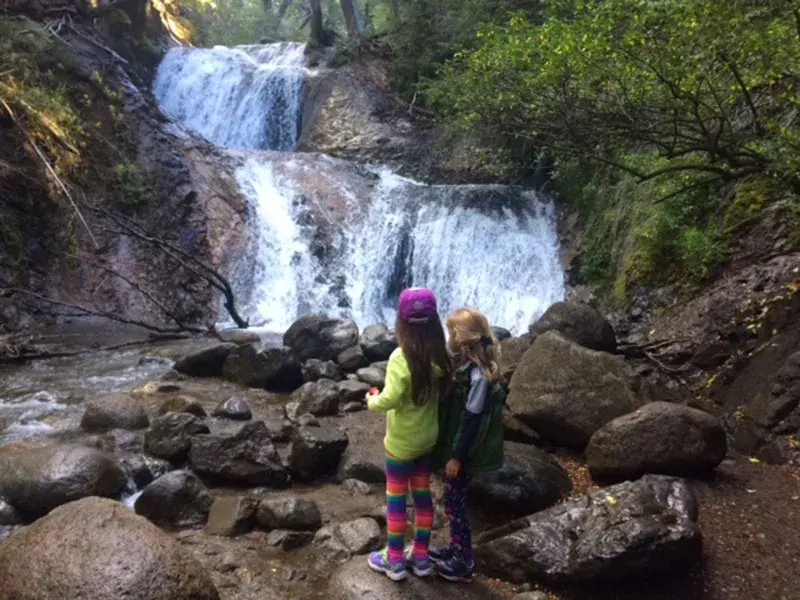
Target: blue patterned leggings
<point x="455" y="505"/>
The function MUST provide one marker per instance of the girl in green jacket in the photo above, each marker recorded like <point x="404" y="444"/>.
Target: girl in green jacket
<point x="471" y="432"/>
<point x="417" y="377"/>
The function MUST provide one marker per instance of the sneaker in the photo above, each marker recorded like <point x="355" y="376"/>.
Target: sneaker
<point x="455" y="569"/>
<point x="421" y="567"/>
<point x="379" y="561"/>
<point x="441" y="554"/>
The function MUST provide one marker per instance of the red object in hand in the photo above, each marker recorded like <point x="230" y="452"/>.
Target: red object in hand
<point x="373" y="391"/>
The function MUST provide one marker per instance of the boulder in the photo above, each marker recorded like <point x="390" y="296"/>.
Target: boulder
<point x="319" y="398"/>
<point x="205" y="363"/>
<point x="500" y="333"/>
<point x="352" y="538"/>
<point x="232" y="515"/>
<point x="182" y="404"/>
<point x="353" y="407"/>
<point x="530" y="480"/>
<point x="273" y="368"/>
<point x="628" y="530"/>
<point x="517" y="431"/>
<point x="316" y="451"/>
<point x="289" y="540"/>
<point x="177" y="499"/>
<point x="293" y="514"/>
<point x="363" y="466"/>
<point x="378" y="342"/>
<point x="787" y="379"/>
<point x="664" y="438"/>
<point x="245" y="457"/>
<point x="578" y="322"/>
<point x="37" y="479"/>
<point x="314" y="369"/>
<point x="8" y="514"/>
<point x="352" y="359"/>
<point x="566" y="392"/>
<point x="170" y="436"/>
<point x="353" y="581"/>
<point x="512" y="350"/>
<point x="114" y="412"/>
<point x="234" y="408"/>
<point x="357" y="488"/>
<point x="317" y="336"/>
<point x="352" y="391"/>
<point x="141" y="469"/>
<point x="96" y="549"/>
<point x="372" y="376"/>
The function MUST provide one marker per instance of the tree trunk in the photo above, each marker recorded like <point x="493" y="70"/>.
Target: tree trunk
<point x="396" y="9"/>
<point x="317" y="24"/>
<point x="285" y="4"/>
<point x="350" y="10"/>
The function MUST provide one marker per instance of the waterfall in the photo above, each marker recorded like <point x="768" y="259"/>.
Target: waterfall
<point x="335" y="237"/>
<point x="242" y="97"/>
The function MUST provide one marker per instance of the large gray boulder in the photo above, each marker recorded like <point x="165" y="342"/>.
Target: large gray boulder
<point x="274" y="368"/>
<point x="96" y="549"/>
<point x="578" y="322"/>
<point x="35" y="480"/>
<point x="232" y="515"/>
<point x="245" y="457"/>
<point x="319" y="398"/>
<point x="205" y="363"/>
<point x="378" y="342"/>
<point x="314" y="369"/>
<point x="513" y="349"/>
<point x="318" y="336"/>
<point x="343" y="540"/>
<point x="316" y="451"/>
<point x="628" y="530"/>
<point x="660" y="437"/>
<point x="170" y="436"/>
<point x="176" y="499"/>
<point x="566" y="392"/>
<point x="114" y="412"/>
<point x="529" y="480"/>
<point x="293" y="514"/>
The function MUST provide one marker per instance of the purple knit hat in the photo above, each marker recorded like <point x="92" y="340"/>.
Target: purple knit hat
<point x="417" y="305"/>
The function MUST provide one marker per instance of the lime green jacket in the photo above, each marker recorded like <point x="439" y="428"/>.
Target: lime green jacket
<point x="411" y="430"/>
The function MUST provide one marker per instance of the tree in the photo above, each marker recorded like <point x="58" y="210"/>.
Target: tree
<point x="351" y="17"/>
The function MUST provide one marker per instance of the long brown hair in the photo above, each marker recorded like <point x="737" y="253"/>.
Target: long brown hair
<point x="472" y="338"/>
<point x="424" y="346"/>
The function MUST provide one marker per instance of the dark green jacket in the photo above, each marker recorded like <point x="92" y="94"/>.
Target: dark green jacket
<point x="486" y="450"/>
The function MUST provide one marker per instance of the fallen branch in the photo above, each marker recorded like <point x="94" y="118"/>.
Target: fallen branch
<point x="10" y="353"/>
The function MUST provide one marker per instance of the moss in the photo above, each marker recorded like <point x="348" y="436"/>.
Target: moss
<point x="751" y="198"/>
<point x="132" y="187"/>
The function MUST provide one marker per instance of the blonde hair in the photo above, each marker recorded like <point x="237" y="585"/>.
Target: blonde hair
<point x="472" y="338"/>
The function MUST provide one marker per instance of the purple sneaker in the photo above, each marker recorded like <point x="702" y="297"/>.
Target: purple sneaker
<point x="421" y="567"/>
<point x="379" y="561"/>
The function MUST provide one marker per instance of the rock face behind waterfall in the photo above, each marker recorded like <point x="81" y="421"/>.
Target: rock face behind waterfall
<point x="96" y="549"/>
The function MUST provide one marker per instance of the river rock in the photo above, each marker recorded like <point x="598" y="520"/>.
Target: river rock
<point x="579" y="323"/>
<point x="352" y="359"/>
<point x="632" y="529"/>
<point x="344" y="540"/>
<point x="316" y="451"/>
<point x="234" y="408"/>
<point x="378" y="342"/>
<point x="529" y="480"/>
<point x="355" y="582"/>
<point x="319" y="398"/>
<point x="100" y="550"/>
<point x="500" y="333"/>
<point x="141" y="469"/>
<point x="317" y="336"/>
<point x="245" y="457"/>
<point x="293" y="514"/>
<point x="232" y="515"/>
<point x="177" y="499"/>
<point x="205" y="363"/>
<point x="37" y="479"/>
<point x="273" y="368"/>
<point x="289" y="540"/>
<point x="361" y="465"/>
<point x="357" y="488"/>
<point x="372" y="376"/>
<point x="660" y="437"/>
<point x="352" y="391"/>
<point x="532" y="596"/>
<point x="512" y="350"/>
<point x="170" y="437"/>
<point x="566" y="392"/>
<point x="114" y="412"/>
<point x="8" y="514"/>
<point x="315" y="369"/>
<point x="182" y="404"/>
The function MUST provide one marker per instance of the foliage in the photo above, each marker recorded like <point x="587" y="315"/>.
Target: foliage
<point x="133" y="186"/>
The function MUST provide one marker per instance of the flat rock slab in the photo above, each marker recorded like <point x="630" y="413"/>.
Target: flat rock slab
<point x="356" y="581"/>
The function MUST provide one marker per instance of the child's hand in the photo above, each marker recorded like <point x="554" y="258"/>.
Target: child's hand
<point x="453" y="468"/>
<point x="373" y="391"/>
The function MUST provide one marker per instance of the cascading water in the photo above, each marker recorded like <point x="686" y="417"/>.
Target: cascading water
<point x="242" y="97"/>
<point x="334" y="237"/>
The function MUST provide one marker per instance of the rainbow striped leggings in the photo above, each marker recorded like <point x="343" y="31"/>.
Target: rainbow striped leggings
<point x="402" y="475"/>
